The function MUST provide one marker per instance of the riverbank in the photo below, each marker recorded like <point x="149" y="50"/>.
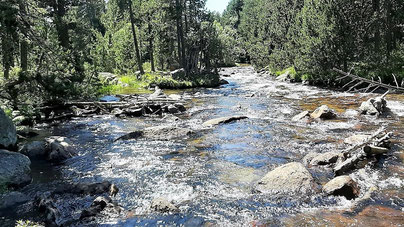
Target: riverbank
<point x="113" y="84"/>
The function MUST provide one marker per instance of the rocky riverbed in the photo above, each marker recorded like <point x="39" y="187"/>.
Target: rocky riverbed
<point x="235" y="157"/>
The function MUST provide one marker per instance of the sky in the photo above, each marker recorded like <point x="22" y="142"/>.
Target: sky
<point x="217" y="5"/>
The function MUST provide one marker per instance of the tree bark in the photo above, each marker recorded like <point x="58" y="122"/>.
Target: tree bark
<point x="151" y="38"/>
<point x="132" y="22"/>
<point x="180" y="32"/>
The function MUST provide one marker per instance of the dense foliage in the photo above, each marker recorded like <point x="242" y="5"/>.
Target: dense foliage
<point x="315" y="36"/>
<point x="52" y="50"/>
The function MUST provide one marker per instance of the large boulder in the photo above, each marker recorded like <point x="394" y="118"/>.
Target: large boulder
<point x="60" y="149"/>
<point x="222" y="120"/>
<point x="8" y="133"/>
<point x="291" y="178"/>
<point x="342" y="186"/>
<point x="323" y="112"/>
<point x="11" y="199"/>
<point x="34" y="149"/>
<point x="14" y="169"/>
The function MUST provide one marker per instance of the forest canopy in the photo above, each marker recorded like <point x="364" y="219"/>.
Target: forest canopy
<point x="54" y="49"/>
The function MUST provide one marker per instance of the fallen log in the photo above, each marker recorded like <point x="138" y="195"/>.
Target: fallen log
<point x="370" y="82"/>
<point x="347" y="151"/>
<point x="370" y="148"/>
<point x="373" y="150"/>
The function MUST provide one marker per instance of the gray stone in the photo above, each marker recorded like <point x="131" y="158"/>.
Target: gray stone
<point x="34" y="149"/>
<point x="8" y="133"/>
<point x="11" y="199"/>
<point x="373" y="106"/>
<point x="342" y="186"/>
<point x="291" y="178"/>
<point x="301" y="116"/>
<point x="325" y="158"/>
<point x="163" y="205"/>
<point x="222" y="120"/>
<point x="167" y="133"/>
<point x="14" y="168"/>
<point x="60" y="149"/>
<point x="323" y="112"/>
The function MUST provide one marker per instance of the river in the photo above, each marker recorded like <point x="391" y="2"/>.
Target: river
<point x="210" y="176"/>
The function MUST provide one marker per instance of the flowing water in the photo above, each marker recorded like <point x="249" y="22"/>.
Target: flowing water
<point x="210" y="176"/>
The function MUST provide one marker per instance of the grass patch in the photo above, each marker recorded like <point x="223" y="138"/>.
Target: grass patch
<point x="291" y="70"/>
<point x="242" y="64"/>
<point x="131" y="83"/>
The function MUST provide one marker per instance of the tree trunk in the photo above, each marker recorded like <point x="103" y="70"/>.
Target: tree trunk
<point x="7" y="48"/>
<point x="132" y="22"/>
<point x="151" y="37"/>
<point x="181" y="41"/>
<point x="23" y="44"/>
<point x="61" y="27"/>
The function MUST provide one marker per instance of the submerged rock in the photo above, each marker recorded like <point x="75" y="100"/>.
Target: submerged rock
<point x="85" y="188"/>
<point x="100" y="204"/>
<point x="46" y="206"/>
<point x="166" y="133"/>
<point x="11" y="199"/>
<point x="8" y="133"/>
<point x="34" y="149"/>
<point x="222" y="120"/>
<point x="291" y="178"/>
<point x="301" y="116"/>
<point x="163" y="205"/>
<point x="323" y="112"/>
<point x="325" y="158"/>
<point x="342" y="186"/>
<point x="14" y="169"/>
